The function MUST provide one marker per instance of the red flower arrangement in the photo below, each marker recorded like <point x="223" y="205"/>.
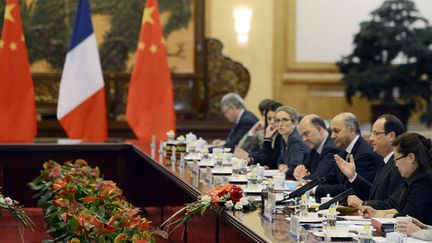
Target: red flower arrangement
<point x="221" y="198"/>
<point x="80" y="206"/>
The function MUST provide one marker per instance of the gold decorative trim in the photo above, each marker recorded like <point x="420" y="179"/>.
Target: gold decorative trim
<point x="308" y="77"/>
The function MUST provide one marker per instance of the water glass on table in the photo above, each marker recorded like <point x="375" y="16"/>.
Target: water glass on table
<point x="279" y="181"/>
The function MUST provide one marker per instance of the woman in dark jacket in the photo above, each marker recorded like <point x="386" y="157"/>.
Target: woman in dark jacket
<point x="289" y="149"/>
<point x="412" y="155"/>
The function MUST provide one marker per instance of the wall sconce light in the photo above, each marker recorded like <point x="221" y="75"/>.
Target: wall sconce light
<point x="242" y="24"/>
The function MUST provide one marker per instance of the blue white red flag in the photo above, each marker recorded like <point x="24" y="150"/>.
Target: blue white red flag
<point x="81" y="106"/>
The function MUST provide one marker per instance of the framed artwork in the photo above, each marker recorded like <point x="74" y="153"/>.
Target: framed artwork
<point x="48" y="24"/>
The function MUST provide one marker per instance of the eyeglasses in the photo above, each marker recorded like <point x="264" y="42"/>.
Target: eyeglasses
<point x="402" y="156"/>
<point x="305" y="134"/>
<point x="283" y="120"/>
<point x="375" y="133"/>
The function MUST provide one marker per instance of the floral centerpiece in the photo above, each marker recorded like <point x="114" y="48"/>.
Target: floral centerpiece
<point x="16" y="210"/>
<point x="228" y="197"/>
<point x="80" y="206"/>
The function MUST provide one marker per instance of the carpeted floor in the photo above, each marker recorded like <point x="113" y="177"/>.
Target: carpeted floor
<point x="9" y="228"/>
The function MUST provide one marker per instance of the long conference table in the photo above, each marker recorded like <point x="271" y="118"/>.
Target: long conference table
<point x="146" y="182"/>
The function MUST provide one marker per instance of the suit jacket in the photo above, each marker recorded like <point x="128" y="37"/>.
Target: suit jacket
<point x="246" y="122"/>
<point x="266" y="155"/>
<point x="293" y="153"/>
<point x="367" y="163"/>
<point x="322" y="165"/>
<point x="415" y="197"/>
<point x="384" y="192"/>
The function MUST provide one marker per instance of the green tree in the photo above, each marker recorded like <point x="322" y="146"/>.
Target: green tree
<point x="392" y="55"/>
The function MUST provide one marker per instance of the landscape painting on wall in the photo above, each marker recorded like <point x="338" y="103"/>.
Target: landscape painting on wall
<point x="48" y="24"/>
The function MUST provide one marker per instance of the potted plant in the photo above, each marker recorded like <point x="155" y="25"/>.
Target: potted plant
<point x="392" y="62"/>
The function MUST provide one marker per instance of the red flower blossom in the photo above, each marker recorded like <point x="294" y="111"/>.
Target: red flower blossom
<point x="80" y="163"/>
<point x="236" y="195"/>
<point x="89" y="199"/>
<point x="58" y="184"/>
<point x="60" y="202"/>
<point x="55" y="171"/>
<point x="94" y="172"/>
<point x="145" y="224"/>
<point x="106" y="229"/>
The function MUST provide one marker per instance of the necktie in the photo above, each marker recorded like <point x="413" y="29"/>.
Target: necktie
<point x="347" y="157"/>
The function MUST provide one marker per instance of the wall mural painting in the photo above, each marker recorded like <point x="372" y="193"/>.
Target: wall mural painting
<point x="47" y="25"/>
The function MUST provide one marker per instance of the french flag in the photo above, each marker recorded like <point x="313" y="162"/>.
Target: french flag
<point x="81" y="106"/>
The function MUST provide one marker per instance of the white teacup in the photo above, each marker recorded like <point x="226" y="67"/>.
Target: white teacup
<point x="403" y="219"/>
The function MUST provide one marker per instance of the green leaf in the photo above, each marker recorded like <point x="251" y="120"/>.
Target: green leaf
<point x="202" y="210"/>
<point x="73" y="225"/>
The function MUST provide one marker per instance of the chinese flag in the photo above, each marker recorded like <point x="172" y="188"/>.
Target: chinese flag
<point x="17" y="102"/>
<point x="150" y="104"/>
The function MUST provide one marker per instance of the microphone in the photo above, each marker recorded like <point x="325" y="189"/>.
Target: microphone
<point x="336" y="199"/>
<point x="299" y="191"/>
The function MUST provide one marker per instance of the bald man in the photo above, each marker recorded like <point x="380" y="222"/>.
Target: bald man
<point x="346" y="135"/>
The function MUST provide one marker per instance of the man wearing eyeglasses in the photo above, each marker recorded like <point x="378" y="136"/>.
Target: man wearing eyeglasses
<point x="346" y="135"/>
<point x="233" y="108"/>
<point x="385" y="190"/>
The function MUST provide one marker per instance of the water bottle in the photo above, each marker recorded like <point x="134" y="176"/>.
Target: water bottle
<point x="366" y="235"/>
<point x="182" y="161"/>
<point x="304" y="206"/>
<point x="331" y="217"/>
<point x="302" y="235"/>
<point x="161" y="152"/>
<point x="153" y="147"/>
<point x="252" y="182"/>
<point x="235" y="168"/>
<point x="270" y="205"/>
<point x="173" y="155"/>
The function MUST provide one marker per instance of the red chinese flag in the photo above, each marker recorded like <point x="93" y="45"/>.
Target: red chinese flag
<point x="150" y="104"/>
<point x="17" y="102"/>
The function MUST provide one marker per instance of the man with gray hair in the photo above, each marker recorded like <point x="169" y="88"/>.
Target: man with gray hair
<point x="346" y="135"/>
<point x="233" y="108"/>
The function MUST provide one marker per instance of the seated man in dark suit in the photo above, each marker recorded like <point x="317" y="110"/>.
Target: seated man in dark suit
<point x="322" y="149"/>
<point x="346" y="135"/>
<point x="385" y="190"/>
<point x="233" y="108"/>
